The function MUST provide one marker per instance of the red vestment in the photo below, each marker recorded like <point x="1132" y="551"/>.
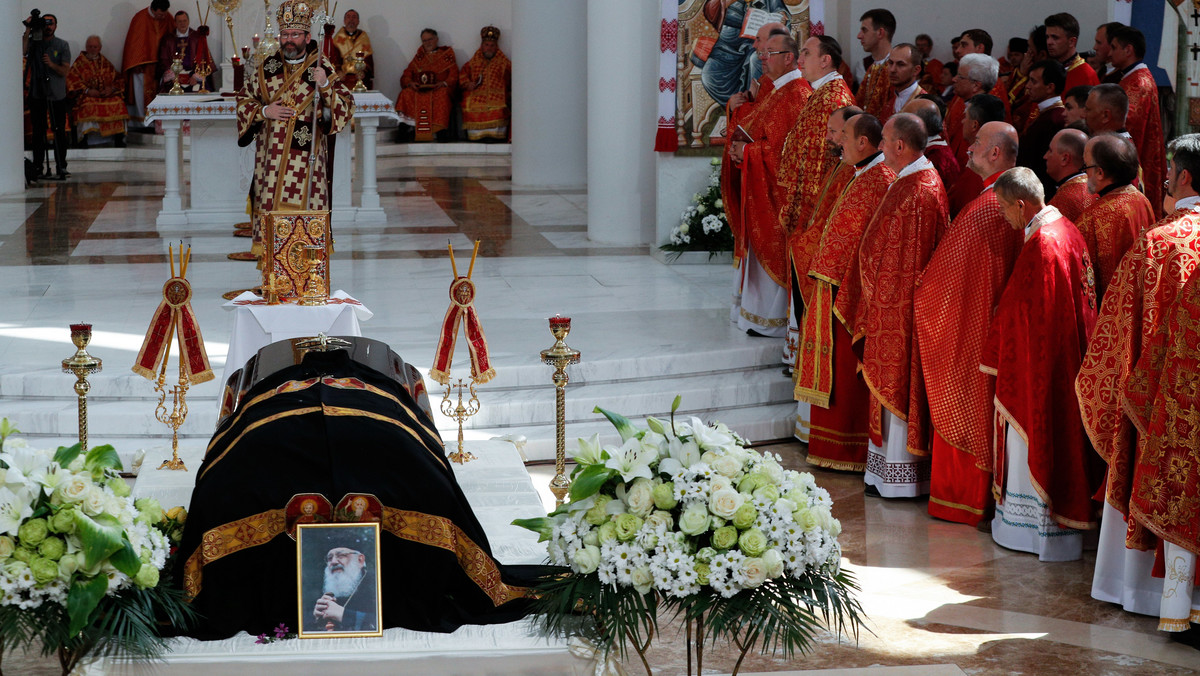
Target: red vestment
<point x="806" y="161"/>
<point x="1109" y="227"/>
<point x="427" y="106"/>
<point x="104" y="114"/>
<point x="1143" y="289"/>
<point x="896" y="245"/>
<point x="804" y="243"/>
<point x="141" y="54"/>
<point x="193" y="49"/>
<point x="1073" y="198"/>
<point x="964" y="191"/>
<point x="731" y="173"/>
<point x="1144" y="125"/>
<point x="952" y="311"/>
<point x="1039" y="130"/>
<point x="1034" y="348"/>
<point x="931" y="75"/>
<point x="1167" y="471"/>
<point x="827" y="368"/>
<point x="762" y="196"/>
<point x="1079" y="73"/>
<point x="874" y="90"/>
<point x="938" y="151"/>
<point x="342" y="57"/>
<point x="952" y="130"/>
<point x="889" y="108"/>
<point x="485" y="109"/>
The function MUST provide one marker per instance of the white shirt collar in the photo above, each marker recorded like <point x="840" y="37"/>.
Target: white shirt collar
<point x="1140" y="66"/>
<point x="902" y="97"/>
<point x="1047" y="214"/>
<point x="918" y="164"/>
<point x="826" y="79"/>
<point x="935" y="141"/>
<point x="878" y="160"/>
<point x="1192" y="203"/>
<point x="885" y="58"/>
<point x="183" y="34"/>
<point x="1049" y="102"/>
<point x="787" y="77"/>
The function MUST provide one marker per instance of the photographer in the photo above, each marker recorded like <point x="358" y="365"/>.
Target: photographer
<point x="47" y="61"/>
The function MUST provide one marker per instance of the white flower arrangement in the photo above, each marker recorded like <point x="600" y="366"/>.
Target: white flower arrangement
<point x="702" y="224"/>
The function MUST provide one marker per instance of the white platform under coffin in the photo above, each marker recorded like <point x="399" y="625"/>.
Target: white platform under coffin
<point x="499" y="490"/>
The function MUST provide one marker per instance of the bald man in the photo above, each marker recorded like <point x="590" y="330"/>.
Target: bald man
<point x="952" y="310"/>
<point x="1064" y="164"/>
<point x="937" y="149"/>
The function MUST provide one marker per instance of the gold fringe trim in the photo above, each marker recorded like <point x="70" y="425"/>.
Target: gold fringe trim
<point x="955" y="505"/>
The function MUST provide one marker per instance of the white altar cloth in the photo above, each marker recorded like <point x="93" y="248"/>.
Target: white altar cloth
<point x="257" y="325"/>
<point x="499" y="490"/>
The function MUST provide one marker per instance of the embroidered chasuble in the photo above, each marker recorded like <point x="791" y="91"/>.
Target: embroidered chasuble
<point x="1034" y="349"/>
<point x="1166" y="475"/>
<point x="1144" y="124"/>
<point x="427" y="107"/>
<point x="1110" y="226"/>
<point x="804" y="243"/>
<point x="1073" y="198"/>
<point x="485" y="109"/>
<point x="1079" y="73"/>
<point x="288" y="151"/>
<point x="875" y="91"/>
<point x="347" y="46"/>
<point x="762" y="196"/>
<point x="1134" y="310"/>
<point x="103" y="114"/>
<point x="731" y="173"/>
<point x="952" y="310"/>
<point x="140" y="56"/>
<point x="896" y="245"/>
<point x="938" y="151"/>
<point x="806" y="163"/>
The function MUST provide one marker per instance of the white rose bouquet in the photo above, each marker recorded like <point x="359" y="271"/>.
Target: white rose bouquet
<point x="685" y="515"/>
<point x="80" y="560"/>
<point x="703" y="225"/>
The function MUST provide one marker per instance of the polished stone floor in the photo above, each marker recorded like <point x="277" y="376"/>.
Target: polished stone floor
<point x="941" y="598"/>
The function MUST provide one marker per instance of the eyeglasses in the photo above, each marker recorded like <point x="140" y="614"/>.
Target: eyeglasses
<point x="769" y="53"/>
<point x="1089" y="166"/>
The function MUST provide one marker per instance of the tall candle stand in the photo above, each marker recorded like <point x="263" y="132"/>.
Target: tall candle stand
<point x="560" y="357"/>
<point x="82" y="365"/>
<point x="460" y="413"/>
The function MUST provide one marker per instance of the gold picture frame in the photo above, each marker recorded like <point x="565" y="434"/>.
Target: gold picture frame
<point x="338" y="607"/>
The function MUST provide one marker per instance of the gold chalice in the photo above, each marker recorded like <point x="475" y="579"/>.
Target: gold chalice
<point x="177" y="68"/>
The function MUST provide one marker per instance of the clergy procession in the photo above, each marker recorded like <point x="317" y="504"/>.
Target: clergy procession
<point x="984" y="289"/>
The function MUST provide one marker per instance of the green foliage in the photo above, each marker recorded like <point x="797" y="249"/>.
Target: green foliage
<point x="82" y="600"/>
<point x="624" y="427"/>
<point x="540" y="525"/>
<point x="67" y="454"/>
<point x="6" y="431"/>
<point x="101" y="537"/>
<point x="102" y="458"/>
<point x="569" y="603"/>
<point x="589" y="481"/>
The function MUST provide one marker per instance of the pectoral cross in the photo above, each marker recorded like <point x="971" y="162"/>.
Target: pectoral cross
<point x="1196" y="17"/>
<point x="1194" y="49"/>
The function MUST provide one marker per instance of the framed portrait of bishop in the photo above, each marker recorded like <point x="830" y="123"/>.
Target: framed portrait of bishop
<point x="338" y="580"/>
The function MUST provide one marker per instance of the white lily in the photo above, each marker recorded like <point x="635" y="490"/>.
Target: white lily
<point x="631" y="460"/>
<point x="707" y="437"/>
<point x="589" y="452"/>
<point x="15" y="507"/>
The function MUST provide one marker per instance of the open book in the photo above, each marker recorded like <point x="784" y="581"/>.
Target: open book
<point x="757" y="18"/>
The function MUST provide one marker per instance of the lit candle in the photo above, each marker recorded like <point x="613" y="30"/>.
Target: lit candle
<point x="255" y="39"/>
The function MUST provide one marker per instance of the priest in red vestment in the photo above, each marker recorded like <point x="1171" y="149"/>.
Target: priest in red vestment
<point x="98" y="89"/>
<point x="977" y="75"/>
<point x="981" y="109"/>
<point x="1121" y="212"/>
<point x="877" y="300"/>
<point x="904" y="72"/>
<point x="349" y="41"/>
<point x="1046" y="117"/>
<point x="937" y="150"/>
<point x="1064" y="164"/>
<point x="827" y="367"/>
<point x="427" y="88"/>
<point x="1062" y="36"/>
<point x="486" y="81"/>
<point x="762" y="282"/>
<point x="1111" y="398"/>
<point x="1045" y="472"/>
<point x="191" y="45"/>
<point x="1143" y="121"/>
<point x="875" y="31"/>
<point x="140" y="59"/>
<point x="952" y="310"/>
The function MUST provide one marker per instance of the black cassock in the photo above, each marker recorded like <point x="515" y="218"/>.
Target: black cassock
<point x="332" y="426"/>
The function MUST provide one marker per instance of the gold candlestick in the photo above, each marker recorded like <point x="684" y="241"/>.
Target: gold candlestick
<point x="315" y="292"/>
<point x="460" y="413"/>
<point x="202" y="71"/>
<point x="82" y="365"/>
<point x="177" y="68"/>
<point x="560" y="357"/>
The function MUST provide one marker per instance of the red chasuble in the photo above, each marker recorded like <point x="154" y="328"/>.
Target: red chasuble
<point x="1166" y="497"/>
<point x="1073" y="198"/>
<point x="896" y="245"/>
<point x="1143" y="289"/>
<point x="485" y="109"/>
<point x="964" y="191"/>
<point x="952" y="311"/>
<point x="141" y="54"/>
<point x="938" y="151"/>
<point x="889" y="107"/>
<point x="827" y="368"/>
<point x="762" y="196"/>
<point x="731" y="173"/>
<point x="875" y="90"/>
<point x="1034" y="348"/>
<point x="1109" y="227"/>
<point x="428" y="106"/>
<point x="952" y="129"/>
<point x="804" y="243"/>
<point x="806" y="162"/>
<point x="108" y="113"/>
<point x="1079" y="73"/>
<point x="1144" y="125"/>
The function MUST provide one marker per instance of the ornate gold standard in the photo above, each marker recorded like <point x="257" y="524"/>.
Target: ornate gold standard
<point x="82" y="365"/>
<point x="460" y="413"/>
<point x="560" y="357"/>
<point x="226" y="8"/>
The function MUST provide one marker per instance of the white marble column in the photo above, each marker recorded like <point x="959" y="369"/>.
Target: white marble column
<point x="12" y="132"/>
<point x="622" y="77"/>
<point x="549" y="92"/>
<point x="172" y="210"/>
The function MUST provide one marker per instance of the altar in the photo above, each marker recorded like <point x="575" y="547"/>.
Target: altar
<point x="221" y="171"/>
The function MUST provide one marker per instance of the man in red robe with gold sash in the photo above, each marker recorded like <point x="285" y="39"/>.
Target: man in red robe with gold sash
<point x="98" y="89"/>
<point x="140" y="60"/>
<point x="827" y="368"/>
<point x="1142" y="120"/>
<point x="275" y="112"/>
<point x="427" y="88"/>
<point x="486" y="81"/>
<point x="1064" y="164"/>
<point x="761" y="289"/>
<point x="1121" y="213"/>
<point x="349" y="41"/>
<point x="952" y="310"/>
<point x="1062" y="36"/>
<point x="1132" y="316"/>
<point x="876" y="299"/>
<point x="1046" y="472"/>
<point x="876" y="28"/>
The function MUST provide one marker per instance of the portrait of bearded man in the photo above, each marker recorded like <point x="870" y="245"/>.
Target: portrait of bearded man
<point x="347" y="602"/>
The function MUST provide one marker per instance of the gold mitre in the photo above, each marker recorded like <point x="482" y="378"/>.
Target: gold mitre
<point x="294" y="15"/>
<point x="490" y="33"/>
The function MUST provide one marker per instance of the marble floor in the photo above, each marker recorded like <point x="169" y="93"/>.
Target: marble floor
<point x="941" y="598"/>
